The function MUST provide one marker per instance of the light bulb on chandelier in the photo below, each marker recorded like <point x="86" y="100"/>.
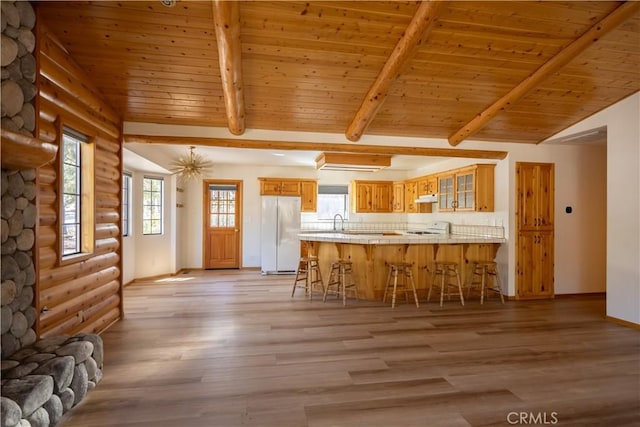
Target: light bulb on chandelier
<point x="192" y="166"/>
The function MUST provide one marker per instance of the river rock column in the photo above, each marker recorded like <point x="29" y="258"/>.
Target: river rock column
<point x="18" y="67"/>
<point x="18" y="314"/>
<point x="18" y="271"/>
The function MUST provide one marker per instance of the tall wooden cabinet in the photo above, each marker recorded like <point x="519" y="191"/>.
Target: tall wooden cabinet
<point x="535" y="230"/>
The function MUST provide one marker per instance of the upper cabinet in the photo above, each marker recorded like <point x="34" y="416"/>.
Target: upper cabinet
<point x="306" y="189"/>
<point x="372" y="196"/>
<point x="398" y="197"/>
<point x="534" y="210"/>
<point x="410" y="196"/>
<point x="279" y="187"/>
<point x="309" y="193"/>
<point x="467" y="189"/>
<point x="427" y="185"/>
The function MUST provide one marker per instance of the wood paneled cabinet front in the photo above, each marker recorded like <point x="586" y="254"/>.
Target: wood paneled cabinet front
<point x="372" y="196"/>
<point x="309" y="194"/>
<point x="535" y="206"/>
<point x="398" y="197"/>
<point x="410" y="196"/>
<point x="427" y="185"/>
<point x="306" y="189"/>
<point x="467" y="189"/>
<point x="279" y="187"/>
<point x="535" y="269"/>
<point x="535" y="230"/>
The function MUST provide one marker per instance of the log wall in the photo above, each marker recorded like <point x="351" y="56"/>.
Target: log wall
<point x="83" y="295"/>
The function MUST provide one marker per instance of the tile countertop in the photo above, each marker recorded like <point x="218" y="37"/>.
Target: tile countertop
<point x="395" y="238"/>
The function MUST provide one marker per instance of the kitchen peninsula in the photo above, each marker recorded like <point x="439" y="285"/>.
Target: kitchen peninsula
<point x="371" y="252"/>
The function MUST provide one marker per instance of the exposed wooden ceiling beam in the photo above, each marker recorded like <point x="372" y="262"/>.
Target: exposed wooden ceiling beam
<point x="592" y="35"/>
<point x="318" y="146"/>
<point x="417" y="31"/>
<point x="227" y="23"/>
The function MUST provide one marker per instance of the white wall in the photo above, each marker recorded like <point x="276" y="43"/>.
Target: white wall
<point x="150" y="256"/>
<point x="623" y="205"/>
<point x="190" y="216"/>
<point x="579" y="239"/>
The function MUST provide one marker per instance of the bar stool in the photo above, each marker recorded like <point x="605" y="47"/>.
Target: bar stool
<point x="480" y="274"/>
<point x="309" y="273"/>
<point x="341" y="277"/>
<point x="447" y="270"/>
<point x="402" y="269"/>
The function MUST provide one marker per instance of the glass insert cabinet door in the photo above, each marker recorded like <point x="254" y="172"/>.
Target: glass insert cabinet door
<point x="445" y="193"/>
<point x="464" y="191"/>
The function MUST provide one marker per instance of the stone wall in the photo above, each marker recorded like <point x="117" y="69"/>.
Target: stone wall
<point x="42" y="382"/>
<point x="19" y="211"/>
<point x="18" y="271"/>
<point x="18" y="67"/>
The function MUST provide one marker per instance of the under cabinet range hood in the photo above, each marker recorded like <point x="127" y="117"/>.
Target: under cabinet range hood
<point x="427" y="198"/>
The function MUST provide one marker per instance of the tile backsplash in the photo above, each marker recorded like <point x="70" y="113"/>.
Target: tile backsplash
<point x="460" y="229"/>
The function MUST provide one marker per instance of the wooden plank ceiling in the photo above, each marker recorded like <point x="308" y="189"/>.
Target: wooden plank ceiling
<point x="307" y="66"/>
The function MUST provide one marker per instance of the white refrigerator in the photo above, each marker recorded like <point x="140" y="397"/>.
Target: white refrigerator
<point x="280" y="225"/>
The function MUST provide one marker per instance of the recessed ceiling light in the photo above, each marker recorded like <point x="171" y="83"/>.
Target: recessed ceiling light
<point x="278" y="154"/>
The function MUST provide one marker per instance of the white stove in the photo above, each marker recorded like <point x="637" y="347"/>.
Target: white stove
<point x="435" y="227"/>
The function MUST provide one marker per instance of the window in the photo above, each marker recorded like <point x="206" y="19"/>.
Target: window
<point x="222" y="208"/>
<point x="76" y="207"/>
<point x="332" y="200"/>
<point x="152" y="205"/>
<point x="126" y="204"/>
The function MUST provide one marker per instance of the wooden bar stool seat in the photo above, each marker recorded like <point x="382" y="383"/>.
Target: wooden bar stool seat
<point x="484" y="275"/>
<point x="341" y="281"/>
<point x="446" y="271"/>
<point x="308" y="276"/>
<point x="406" y="283"/>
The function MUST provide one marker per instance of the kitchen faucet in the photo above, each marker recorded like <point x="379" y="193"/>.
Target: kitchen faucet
<point x="334" y="221"/>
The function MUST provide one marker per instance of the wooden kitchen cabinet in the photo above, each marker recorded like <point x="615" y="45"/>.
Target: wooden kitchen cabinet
<point x="309" y="194"/>
<point x="535" y="230"/>
<point x="410" y="196"/>
<point x="467" y="189"/>
<point x="534" y="266"/>
<point x="427" y="185"/>
<point x="372" y="196"/>
<point x="398" y="197"/>
<point x="535" y="206"/>
<point x="279" y="187"/>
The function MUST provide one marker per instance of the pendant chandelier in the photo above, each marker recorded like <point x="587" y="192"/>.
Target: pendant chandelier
<point x="191" y="166"/>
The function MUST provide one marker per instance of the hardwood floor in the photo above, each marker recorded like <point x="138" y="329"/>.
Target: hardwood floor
<point x="232" y="348"/>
